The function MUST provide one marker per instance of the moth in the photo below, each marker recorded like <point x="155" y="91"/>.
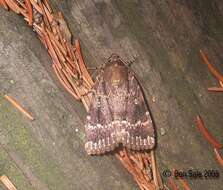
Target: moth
<point x="118" y="113"/>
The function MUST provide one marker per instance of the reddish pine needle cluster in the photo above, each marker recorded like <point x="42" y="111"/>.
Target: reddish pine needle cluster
<point x="55" y="35"/>
<point x="142" y="166"/>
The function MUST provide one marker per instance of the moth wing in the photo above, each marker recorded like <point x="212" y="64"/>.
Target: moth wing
<point x="99" y="133"/>
<point x="133" y="127"/>
<point x="139" y="128"/>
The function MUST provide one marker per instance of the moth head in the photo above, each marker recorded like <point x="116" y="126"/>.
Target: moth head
<point x="113" y="58"/>
<point x="115" y="71"/>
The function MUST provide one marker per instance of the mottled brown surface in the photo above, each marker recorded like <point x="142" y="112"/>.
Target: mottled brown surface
<point x="118" y="113"/>
<point x="165" y="36"/>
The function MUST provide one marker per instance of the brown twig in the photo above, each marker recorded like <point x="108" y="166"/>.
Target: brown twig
<point x="60" y="37"/>
<point x="30" y="11"/>
<point x="46" y="2"/>
<point x="136" y="161"/>
<point x="221" y="83"/>
<point x="39" y="31"/>
<point x="45" y="18"/>
<point x="22" y="4"/>
<point x="211" y="67"/>
<point x="36" y="6"/>
<point x="215" y="89"/>
<point x="154" y="169"/>
<point x="18" y="106"/>
<point x="140" y="177"/>
<point x="160" y="181"/>
<point x="69" y="51"/>
<point x="66" y="34"/>
<point x="218" y="156"/>
<point x="64" y="83"/>
<point x="6" y="181"/>
<point x="81" y="62"/>
<point x="48" y="14"/>
<point x="172" y="183"/>
<point x="126" y="163"/>
<point x="59" y="46"/>
<point x="184" y="183"/>
<point x="200" y="125"/>
<point x="141" y="165"/>
<point x="14" y="6"/>
<point x="4" y="4"/>
<point x="50" y="48"/>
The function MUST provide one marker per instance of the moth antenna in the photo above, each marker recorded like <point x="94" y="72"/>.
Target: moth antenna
<point x="130" y="62"/>
<point x="94" y="68"/>
<point x="88" y="92"/>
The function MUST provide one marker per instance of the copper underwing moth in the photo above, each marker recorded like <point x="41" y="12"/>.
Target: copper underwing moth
<point x="118" y="112"/>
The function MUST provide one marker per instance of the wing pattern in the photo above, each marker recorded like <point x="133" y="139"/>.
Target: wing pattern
<point x="118" y="114"/>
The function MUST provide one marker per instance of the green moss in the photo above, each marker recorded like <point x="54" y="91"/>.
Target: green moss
<point x="8" y="168"/>
<point x="21" y="140"/>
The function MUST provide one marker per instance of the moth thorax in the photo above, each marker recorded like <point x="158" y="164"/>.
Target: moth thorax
<point x="116" y="74"/>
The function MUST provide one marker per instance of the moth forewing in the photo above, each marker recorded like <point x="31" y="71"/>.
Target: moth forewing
<point x="118" y="113"/>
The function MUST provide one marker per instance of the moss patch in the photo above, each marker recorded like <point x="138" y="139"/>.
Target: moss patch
<point x="20" y="140"/>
